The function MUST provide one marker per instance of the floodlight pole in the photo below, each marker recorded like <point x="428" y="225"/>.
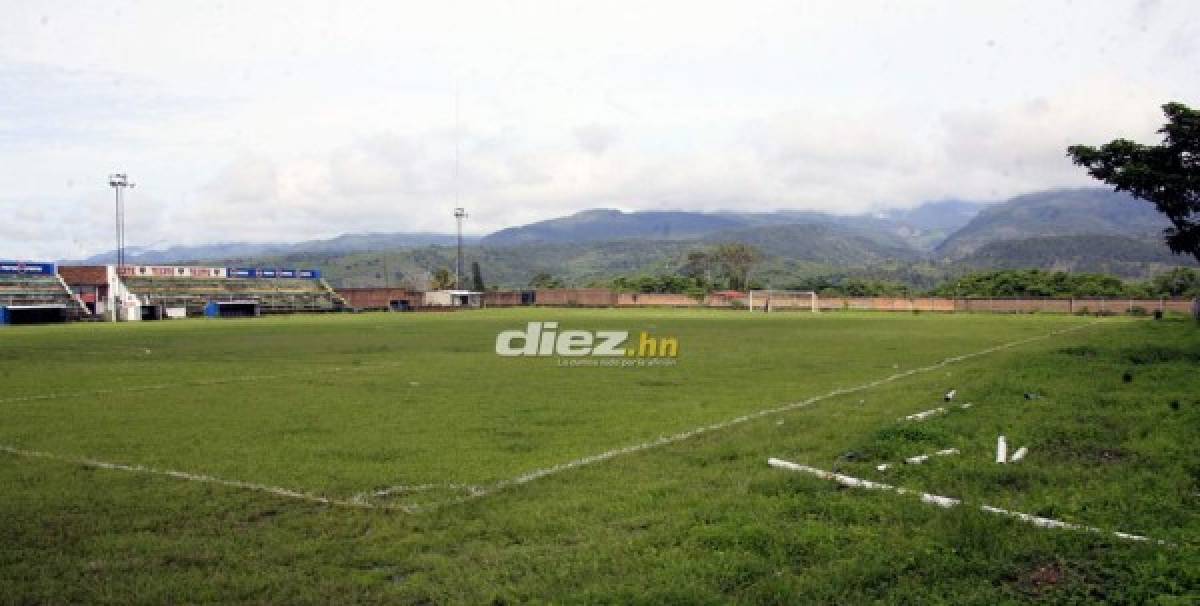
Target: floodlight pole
<point x="459" y="215"/>
<point x="119" y="182"/>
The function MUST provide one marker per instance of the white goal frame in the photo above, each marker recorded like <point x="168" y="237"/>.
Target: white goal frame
<point x="765" y="297"/>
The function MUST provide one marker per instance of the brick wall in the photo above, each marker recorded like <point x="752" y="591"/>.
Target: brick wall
<point x="586" y="297"/>
<point x="656" y="299"/>
<point x="378" y="298"/>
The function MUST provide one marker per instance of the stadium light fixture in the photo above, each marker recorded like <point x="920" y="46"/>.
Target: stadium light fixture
<point x="119" y="182"/>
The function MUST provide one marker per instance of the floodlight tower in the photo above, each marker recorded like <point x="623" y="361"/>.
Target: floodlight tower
<point x="119" y="182"/>
<point x="459" y="215"/>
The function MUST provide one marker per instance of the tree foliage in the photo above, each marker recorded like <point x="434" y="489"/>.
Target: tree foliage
<point x="736" y="260"/>
<point x="844" y="286"/>
<point x="442" y="279"/>
<point x="661" y="283"/>
<point x="1167" y="175"/>
<point x="476" y="277"/>
<point x="545" y="280"/>
<point x="1178" y="282"/>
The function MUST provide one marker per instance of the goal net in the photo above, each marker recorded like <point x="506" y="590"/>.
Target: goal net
<point x="782" y="300"/>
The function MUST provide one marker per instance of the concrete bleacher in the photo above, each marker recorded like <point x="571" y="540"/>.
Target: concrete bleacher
<point x="275" y="295"/>
<point x="24" y="291"/>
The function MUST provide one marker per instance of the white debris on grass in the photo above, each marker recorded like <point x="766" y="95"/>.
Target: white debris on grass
<point x="917" y="460"/>
<point x="948" y="502"/>
<point x="921" y="416"/>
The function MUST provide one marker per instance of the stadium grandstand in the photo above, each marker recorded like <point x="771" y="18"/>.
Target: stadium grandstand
<point x="155" y="292"/>
<point x="32" y="293"/>
<point x="172" y="292"/>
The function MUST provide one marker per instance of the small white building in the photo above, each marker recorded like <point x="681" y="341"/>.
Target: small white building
<point x="453" y="298"/>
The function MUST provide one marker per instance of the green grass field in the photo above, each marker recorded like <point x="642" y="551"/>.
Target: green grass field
<point x="343" y="407"/>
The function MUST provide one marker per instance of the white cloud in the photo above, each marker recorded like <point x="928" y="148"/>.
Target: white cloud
<point x="283" y="121"/>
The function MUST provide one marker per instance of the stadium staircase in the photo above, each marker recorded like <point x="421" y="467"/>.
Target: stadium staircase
<point x="275" y="295"/>
<point x="337" y="297"/>
<point x="79" y="304"/>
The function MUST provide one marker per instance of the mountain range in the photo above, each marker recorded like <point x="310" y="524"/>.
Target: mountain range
<point x="1084" y="229"/>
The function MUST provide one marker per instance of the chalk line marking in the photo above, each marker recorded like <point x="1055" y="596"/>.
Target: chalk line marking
<point x="402" y="489"/>
<point x="194" y="477"/>
<point x="948" y="502"/>
<point x="538" y="474"/>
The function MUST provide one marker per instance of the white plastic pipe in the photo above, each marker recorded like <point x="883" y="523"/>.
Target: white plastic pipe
<point x="921" y="416"/>
<point x="1001" y="450"/>
<point x="1019" y="454"/>
<point x="950" y="394"/>
<point x="948" y="502"/>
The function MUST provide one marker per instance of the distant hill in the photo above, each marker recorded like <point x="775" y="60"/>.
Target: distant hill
<point x="822" y="243"/>
<point x="922" y="227"/>
<point x="344" y="244"/>
<point x="945" y="216"/>
<point x="1062" y="212"/>
<point x="1117" y="255"/>
<point x="606" y="224"/>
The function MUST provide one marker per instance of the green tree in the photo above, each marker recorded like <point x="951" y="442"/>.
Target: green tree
<point x="1179" y="282"/>
<point x="442" y="279"/>
<point x="545" y="280"/>
<point x="699" y="265"/>
<point x="736" y="261"/>
<point x="1167" y="175"/>
<point x="476" y="277"/>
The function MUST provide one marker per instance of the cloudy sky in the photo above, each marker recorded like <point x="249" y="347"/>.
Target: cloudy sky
<point x="282" y="121"/>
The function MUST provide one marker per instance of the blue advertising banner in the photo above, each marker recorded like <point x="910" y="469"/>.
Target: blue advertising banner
<point x="22" y="267"/>
<point x="253" y="272"/>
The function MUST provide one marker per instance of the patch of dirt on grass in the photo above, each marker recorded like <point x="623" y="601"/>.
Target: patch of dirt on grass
<point x="1041" y="579"/>
<point x="1046" y="576"/>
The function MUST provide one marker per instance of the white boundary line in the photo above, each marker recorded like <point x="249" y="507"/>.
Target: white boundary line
<point x="538" y="474"/>
<point x="948" y="502"/>
<point x="193" y="477"/>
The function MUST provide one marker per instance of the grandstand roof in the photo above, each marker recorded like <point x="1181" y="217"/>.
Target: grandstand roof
<point x="84" y="274"/>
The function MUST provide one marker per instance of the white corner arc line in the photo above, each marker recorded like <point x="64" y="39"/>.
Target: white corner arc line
<point x="948" y="502"/>
<point x="194" y="477"/>
<point x="538" y="474"/>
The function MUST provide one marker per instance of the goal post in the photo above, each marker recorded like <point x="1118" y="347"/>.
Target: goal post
<point x="783" y="300"/>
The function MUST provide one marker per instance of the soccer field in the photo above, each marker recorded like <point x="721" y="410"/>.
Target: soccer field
<point x="341" y="406"/>
<point x="414" y="421"/>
